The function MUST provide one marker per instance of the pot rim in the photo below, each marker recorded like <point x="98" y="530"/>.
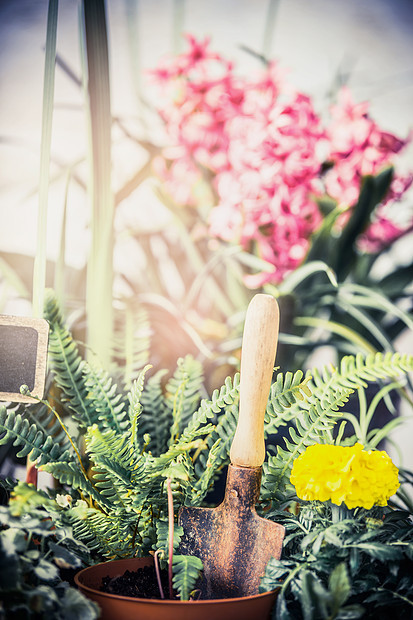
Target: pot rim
<point x="164" y="601"/>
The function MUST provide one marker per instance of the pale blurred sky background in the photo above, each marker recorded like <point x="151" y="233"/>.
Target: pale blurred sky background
<point x="371" y="40"/>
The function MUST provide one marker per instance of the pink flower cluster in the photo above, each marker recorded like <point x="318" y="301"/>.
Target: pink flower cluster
<point x="262" y="148"/>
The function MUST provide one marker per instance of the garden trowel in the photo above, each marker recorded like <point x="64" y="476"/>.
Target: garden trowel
<point x="232" y="541"/>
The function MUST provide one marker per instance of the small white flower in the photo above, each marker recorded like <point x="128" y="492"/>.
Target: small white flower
<point x="64" y="501"/>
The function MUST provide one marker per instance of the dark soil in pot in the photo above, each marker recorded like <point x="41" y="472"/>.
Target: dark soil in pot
<point x="140" y="583"/>
<point x="118" y="607"/>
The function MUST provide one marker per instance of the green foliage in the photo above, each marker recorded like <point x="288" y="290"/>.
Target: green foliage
<point x="183" y="394"/>
<point x="104" y="399"/>
<point x="68" y="366"/>
<point x="113" y="494"/>
<point x="18" y="430"/>
<point x="155" y="416"/>
<point x="45" y="420"/>
<point x="314" y="413"/>
<point x="32" y="555"/>
<point x="356" y="566"/>
<point x="187" y="570"/>
<point x="162" y="535"/>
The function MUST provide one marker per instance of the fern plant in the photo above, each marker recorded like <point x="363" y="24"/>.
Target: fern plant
<point x="112" y="452"/>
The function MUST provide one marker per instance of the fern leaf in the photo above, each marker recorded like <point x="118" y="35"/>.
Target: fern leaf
<point x="15" y="428"/>
<point x="69" y="473"/>
<point x="286" y="391"/>
<point x="101" y="532"/>
<point x="357" y="371"/>
<point x="227" y="395"/>
<point x="135" y="408"/>
<point x="223" y="433"/>
<point x="68" y="366"/>
<point x="183" y="393"/>
<point x="207" y="474"/>
<point x="162" y="537"/>
<point x="104" y="399"/>
<point x="155" y="418"/>
<point x="186" y="572"/>
<point x="41" y="415"/>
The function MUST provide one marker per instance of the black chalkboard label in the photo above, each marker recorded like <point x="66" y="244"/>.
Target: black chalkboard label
<point x="23" y="356"/>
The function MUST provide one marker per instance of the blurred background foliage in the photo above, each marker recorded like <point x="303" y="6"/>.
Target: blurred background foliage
<point x="138" y="272"/>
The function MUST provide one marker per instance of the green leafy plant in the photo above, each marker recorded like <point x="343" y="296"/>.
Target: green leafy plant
<point x="35" y="558"/>
<point x="356" y="566"/>
<point x="116" y="451"/>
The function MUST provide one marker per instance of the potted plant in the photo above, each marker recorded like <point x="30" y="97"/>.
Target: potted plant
<point x="114" y="456"/>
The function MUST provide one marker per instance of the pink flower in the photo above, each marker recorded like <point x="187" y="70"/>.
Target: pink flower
<point x="263" y="148"/>
<point x="358" y="147"/>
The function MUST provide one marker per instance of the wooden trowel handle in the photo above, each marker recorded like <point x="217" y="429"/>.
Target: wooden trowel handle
<point x="259" y="345"/>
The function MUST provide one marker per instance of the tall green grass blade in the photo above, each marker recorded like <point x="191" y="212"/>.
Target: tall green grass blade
<point x="364" y="296"/>
<point x="293" y="280"/>
<point x="59" y="276"/>
<point x="99" y="293"/>
<point x="364" y="320"/>
<point x="39" y="270"/>
<point x="336" y="328"/>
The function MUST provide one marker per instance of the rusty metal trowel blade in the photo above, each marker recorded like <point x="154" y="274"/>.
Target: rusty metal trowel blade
<point x="233" y="542"/>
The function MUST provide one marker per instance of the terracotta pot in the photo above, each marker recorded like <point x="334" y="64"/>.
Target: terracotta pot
<point x="114" y="607"/>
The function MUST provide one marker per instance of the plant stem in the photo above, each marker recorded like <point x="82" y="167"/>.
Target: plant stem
<point x="170" y="535"/>
<point x="158" y="573"/>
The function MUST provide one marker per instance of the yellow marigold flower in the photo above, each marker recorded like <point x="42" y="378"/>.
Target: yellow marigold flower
<point x="351" y="475"/>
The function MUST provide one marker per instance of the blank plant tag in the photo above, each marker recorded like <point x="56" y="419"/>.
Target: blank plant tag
<point x="23" y="357"/>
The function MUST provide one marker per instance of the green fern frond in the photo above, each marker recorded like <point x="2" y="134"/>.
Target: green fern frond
<point x="135" y="408"/>
<point x="105" y="533"/>
<point x="107" y="443"/>
<point x="155" y="418"/>
<point x="69" y="473"/>
<point x="183" y="393"/>
<point x="27" y="499"/>
<point x="162" y="537"/>
<point x="103" y="397"/>
<point x="157" y="465"/>
<point x="118" y="467"/>
<point x="41" y="415"/>
<point x="286" y="390"/>
<point x="357" y="371"/>
<point x="223" y="433"/>
<point x="14" y="428"/>
<point x="207" y="474"/>
<point x="228" y="394"/>
<point x="67" y="365"/>
<point x="275" y="483"/>
<point x="186" y="572"/>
